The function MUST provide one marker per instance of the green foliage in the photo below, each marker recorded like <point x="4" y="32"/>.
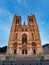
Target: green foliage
<point x="3" y="49"/>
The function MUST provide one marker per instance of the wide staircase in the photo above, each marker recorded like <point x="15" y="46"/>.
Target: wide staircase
<point x="7" y="59"/>
<point x="21" y="57"/>
<point x="24" y="57"/>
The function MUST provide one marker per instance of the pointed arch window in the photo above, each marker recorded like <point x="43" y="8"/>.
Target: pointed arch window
<point x="24" y="38"/>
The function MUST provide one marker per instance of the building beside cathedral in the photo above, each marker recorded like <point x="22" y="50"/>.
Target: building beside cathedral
<point x="46" y="48"/>
<point x="24" y="39"/>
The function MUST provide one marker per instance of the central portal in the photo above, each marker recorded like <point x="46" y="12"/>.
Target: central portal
<point x="24" y="51"/>
<point x="24" y="41"/>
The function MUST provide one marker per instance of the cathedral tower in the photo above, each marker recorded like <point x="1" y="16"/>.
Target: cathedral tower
<point x="24" y="39"/>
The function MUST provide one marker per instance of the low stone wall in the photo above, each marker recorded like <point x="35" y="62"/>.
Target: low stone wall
<point x="2" y="56"/>
<point x="45" y="55"/>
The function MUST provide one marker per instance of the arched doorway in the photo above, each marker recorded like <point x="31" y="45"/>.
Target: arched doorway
<point x="14" y="51"/>
<point x="24" y="51"/>
<point x="34" y="51"/>
<point x="24" y="38"/>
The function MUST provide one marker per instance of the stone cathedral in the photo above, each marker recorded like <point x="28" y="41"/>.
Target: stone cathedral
<point x="24" y="39"/>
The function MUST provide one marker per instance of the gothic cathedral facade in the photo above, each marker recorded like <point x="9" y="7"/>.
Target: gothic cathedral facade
<point x="24" y="39"/>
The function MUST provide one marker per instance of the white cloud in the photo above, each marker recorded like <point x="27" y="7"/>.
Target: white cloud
<point x="6" y="13"/>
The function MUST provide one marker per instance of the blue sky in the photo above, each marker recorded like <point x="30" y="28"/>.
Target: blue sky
<point x="8" y="8"/>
